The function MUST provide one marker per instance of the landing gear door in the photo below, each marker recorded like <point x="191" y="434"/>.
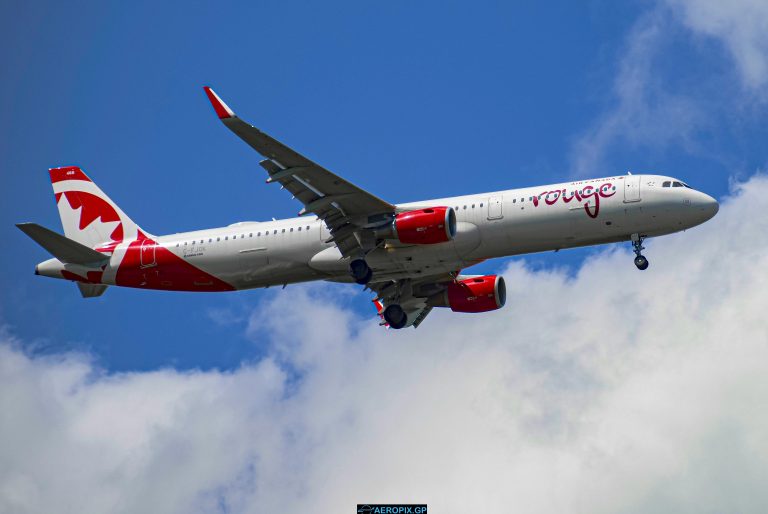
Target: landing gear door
<point x="632" y="188"/>
<point x="494" y="208"/>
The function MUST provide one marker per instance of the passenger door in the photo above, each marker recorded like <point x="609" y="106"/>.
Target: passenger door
<point x="147" y="254"/>
<point x="632" y="188"/>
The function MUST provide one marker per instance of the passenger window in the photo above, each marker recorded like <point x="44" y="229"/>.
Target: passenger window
<point x="226" y="238"/>
<point x="514" y="200"/>
<point x="177" y="245"/>
<point x="218" y="239"/>
<point x="250" y="235"/>
<point x="299" y="229"/>
<point x="275" y="232"/>
<point x="465" y="207"/>
<point x="185" y="243"/>
<point x="481" y="204"/>
<point x="283" y="231"/>
<point x="307" y="227"/>
<point x="473" y="206"/>
<point x="291" y="229"/>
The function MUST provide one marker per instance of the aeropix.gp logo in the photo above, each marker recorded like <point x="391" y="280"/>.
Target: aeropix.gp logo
<point x="589" y="196"/>
<point x="391" y="508"/>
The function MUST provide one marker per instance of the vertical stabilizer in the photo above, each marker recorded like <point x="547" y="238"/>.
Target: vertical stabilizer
<point x="89" y="216"/>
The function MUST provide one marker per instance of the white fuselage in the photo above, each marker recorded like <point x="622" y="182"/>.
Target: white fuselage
<point x="503" y="223"/>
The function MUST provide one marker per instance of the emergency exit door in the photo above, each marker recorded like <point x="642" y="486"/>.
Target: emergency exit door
<point x="494" y="208"/>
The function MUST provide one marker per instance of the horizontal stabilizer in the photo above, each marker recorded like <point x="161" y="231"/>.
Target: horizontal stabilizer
<point x="91" y="290"/>
<point x="61" y="247"/>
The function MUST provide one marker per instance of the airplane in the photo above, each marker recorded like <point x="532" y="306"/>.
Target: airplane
<point x="410" y="255"/>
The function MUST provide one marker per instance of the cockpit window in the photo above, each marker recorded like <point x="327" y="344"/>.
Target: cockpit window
<point x="666" y="183"/>
<point x="677" y="184"/>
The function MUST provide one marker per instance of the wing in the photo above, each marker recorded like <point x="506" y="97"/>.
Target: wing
<point x="411" y="294"/>
<point x="344" y="207"/>
<point x="418" y="313"/>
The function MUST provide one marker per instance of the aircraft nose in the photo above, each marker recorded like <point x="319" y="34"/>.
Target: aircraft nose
<point x="710" y="206"/>
<point x="705" y="205"/>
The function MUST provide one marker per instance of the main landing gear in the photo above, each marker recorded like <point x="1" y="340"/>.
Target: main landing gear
<point x="395" y="316"/>
<point x="637" y="244"/>
<point x="360" y="271"/>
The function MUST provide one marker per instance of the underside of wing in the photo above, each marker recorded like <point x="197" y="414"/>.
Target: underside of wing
<point x="345" y="208"/>
<point x="407" y="302"/>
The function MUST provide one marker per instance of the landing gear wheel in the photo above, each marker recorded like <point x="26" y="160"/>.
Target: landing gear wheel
<point x="360" y="271"/>
<point x="637" y="246"/>
<point x="395" y="316"/>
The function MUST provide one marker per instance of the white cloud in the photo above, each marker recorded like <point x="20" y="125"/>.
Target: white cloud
<point x="643" y="112"/>
<point x="610" y="391"/>
<point x="741" y="25"/>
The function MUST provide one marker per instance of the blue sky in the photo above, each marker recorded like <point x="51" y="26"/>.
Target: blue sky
<point x="596" y="389"/>
<point x="407" y="99"/>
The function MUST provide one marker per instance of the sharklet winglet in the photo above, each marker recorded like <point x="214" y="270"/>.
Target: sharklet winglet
<point x="222" y="110"/>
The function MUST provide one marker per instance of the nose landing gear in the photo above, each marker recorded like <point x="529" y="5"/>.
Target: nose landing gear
<point x="637" y="244"/>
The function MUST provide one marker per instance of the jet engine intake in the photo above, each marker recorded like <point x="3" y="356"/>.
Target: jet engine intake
<point x="476" y="294"/>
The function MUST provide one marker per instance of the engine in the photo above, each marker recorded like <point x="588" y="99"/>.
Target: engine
<point x="422" y="227"/>
<point x="476" y="294"/>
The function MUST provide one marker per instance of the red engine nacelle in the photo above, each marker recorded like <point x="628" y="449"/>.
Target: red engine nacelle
<point x="425" y="226"/>
<point x="477" y="294"/>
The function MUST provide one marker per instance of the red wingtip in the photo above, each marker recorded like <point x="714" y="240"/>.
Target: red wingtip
<point x="67" y="173"/>
<point x="222" y="111"/>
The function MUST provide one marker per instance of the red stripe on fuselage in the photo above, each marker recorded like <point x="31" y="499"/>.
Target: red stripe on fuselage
<point x="160" y="268"/>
